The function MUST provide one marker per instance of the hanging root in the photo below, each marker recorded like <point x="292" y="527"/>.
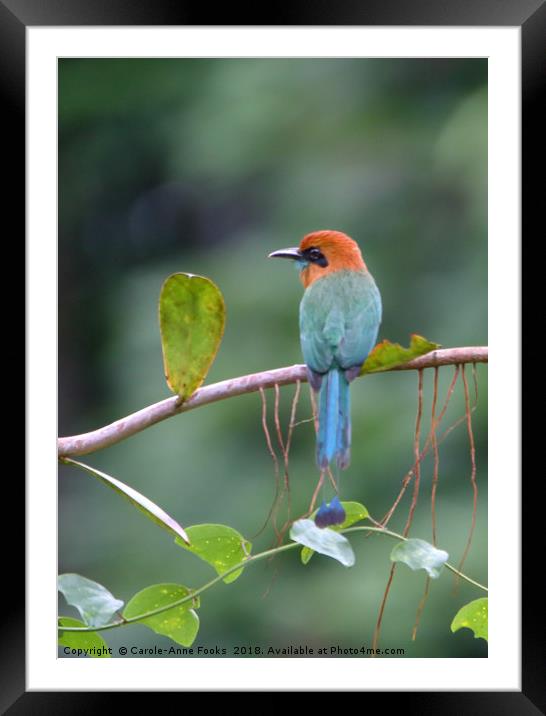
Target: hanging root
<point x="285" y="446"/>
<point x="416" y="445"/>
<point x="314" y="408"/>
<point x="435" y="476"/>
<point x="436" y="470"/>
<point x="292" y="424"/>
<point x="281" y="488"/>
<point x="314" y="419"/>
<point x="433" y="442"/>
<point x="315" y="493"/>
<point x="426" y="448"/>
<point x="473" y="466"/>
<point x="420" y="608"/>
<point x="377" y="629"/>
<point x="275" y="504"/>
<point x="416" y="450"/>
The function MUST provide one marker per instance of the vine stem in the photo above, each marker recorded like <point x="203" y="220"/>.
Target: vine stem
<point x="244" y="563"/>
<point x="130" y="425"/>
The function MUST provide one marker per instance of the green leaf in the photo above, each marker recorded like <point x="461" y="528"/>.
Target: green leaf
<point x="93" y="601"/>
<point x="180" y="623"/>
<point x="325" y="541"/>
<point x="191" y="321"/>
<point x="473" y="616"/>
<point x="387" y="355"/>
<point x="88" y="642"/>
<point x="149" y="508"/>
<point x="354" y="512"/>
<point x="219" y="545"/>
<point x="418" y="554"/>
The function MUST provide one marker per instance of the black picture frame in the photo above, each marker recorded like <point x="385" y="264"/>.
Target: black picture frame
<point x="530" y="15"/>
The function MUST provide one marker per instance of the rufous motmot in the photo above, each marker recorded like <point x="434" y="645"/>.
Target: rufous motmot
<point x="340" y="313"/>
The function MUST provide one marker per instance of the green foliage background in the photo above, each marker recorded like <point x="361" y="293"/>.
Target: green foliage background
<point x="205" y="166"/>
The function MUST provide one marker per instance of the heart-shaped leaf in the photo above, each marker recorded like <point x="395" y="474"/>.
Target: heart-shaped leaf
<point x="93" y="601"/>
<point x="191" y="321"/>
<point x="354" y="512"/>
<point x="88" y="642"/>
<point x="219" y="545"/>
<point x="180" y="623"/>
<point x="325" y="541"/>
<point x="149" y="508"/>
<point x="387" y="355"/>
<point x="474" y="616"/>
<point x="418" y="554"/>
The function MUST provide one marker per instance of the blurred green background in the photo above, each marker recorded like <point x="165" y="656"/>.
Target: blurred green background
<point x="206" y="166"/>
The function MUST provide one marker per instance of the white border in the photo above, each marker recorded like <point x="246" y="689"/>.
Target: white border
<point x="501" y="670"/>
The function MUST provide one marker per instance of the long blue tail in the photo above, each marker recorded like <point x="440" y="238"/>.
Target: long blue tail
<point x="334" y="434"/>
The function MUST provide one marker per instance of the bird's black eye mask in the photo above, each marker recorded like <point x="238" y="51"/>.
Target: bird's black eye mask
<point x="315" y="256"/>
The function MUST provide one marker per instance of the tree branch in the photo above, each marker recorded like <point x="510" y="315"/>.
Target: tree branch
<point x="132" y="424"/>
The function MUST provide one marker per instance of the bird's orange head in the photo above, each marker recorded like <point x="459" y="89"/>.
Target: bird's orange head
<point x="324" y="252"/>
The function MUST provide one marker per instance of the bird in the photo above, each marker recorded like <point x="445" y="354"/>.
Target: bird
<point x="339" y="318"/>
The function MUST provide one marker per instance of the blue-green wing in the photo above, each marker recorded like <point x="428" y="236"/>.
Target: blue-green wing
<point x="339" y="320"/>
<point x="361" y="327"/>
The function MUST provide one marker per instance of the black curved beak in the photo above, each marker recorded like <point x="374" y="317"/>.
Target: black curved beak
<point x="294" y="253"/>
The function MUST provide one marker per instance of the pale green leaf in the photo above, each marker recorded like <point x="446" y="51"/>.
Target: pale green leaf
<point x="146" y="506"/>
<point x="87" y="643"/>
<point x="418" y="554"/>
<point x="191" y="321"/>
<point x="354" y="512"/>
<point x="219" y="545"/>
<point x="180" y="623"/>
<point x="326" y="541"/>
<point x="93" y="601"/>
<point x="387" y="355"/>
<point x="474" y="616"/>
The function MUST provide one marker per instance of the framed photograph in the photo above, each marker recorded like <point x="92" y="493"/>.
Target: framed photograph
<point x="286" y="467"/>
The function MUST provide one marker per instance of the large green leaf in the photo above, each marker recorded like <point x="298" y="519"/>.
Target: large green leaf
<point x="323" y="540"/>
<point x="149" y="508"/>
<point x="387" y="355"/>
<point x="93" y="601"/>
<point x="87" y="643"/>
<point x="418" y="554"/>
<point x="474" y="616"/>
<point x="219" y="545"/>
<point x="180" y="623"/>
<point x="354" y="512"/>
<point x="191" y="321"/>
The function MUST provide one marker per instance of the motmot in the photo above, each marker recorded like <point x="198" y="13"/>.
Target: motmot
<point x="339" y="319"/>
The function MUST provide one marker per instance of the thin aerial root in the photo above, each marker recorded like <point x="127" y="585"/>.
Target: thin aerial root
<point x="377" y="629"/>
<point x="390" y="513"/>
<point x="420" y="608"/>
<point x="274" y="506"/>
<point x="436" y="469"/>
<point x="475" y="380"/>
<point x="301" y="422"/>
<point x="472" y="473"/>
<point x="314" y="407"/>
<point x="271" y="581"/>
<point x="410" y="473"/>
<point x="266" y="431"/>
<point x="280" y="440"/>
<point x="277" y="420"/>
<point x="331" y="478"/>
<point x="315" y="492"/>
<point x="311" y="507"/>
<point x="416" y="450"/>
<point x="292" y="424"/>
<point x="286" y="450"/>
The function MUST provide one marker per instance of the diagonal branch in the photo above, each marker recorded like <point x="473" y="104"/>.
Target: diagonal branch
<point x="134" y="423"/>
